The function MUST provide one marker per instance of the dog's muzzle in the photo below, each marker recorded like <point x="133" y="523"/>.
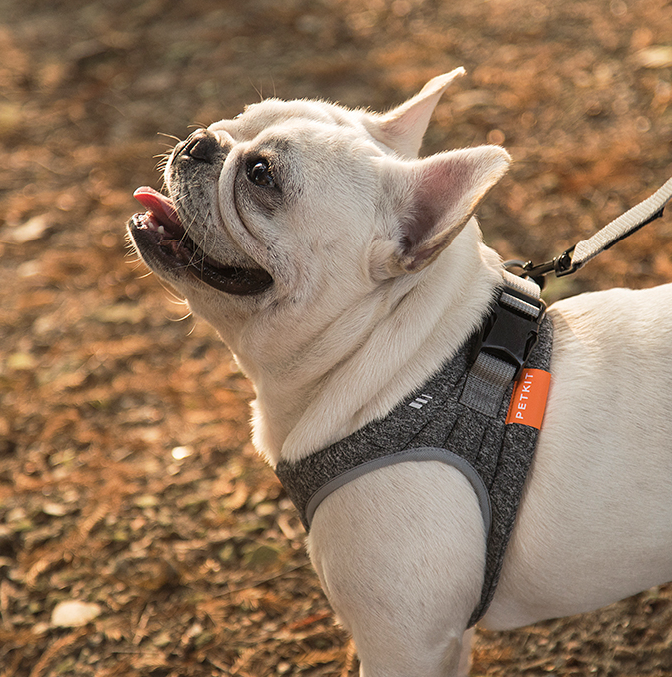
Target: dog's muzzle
<point x="165" y="245"/>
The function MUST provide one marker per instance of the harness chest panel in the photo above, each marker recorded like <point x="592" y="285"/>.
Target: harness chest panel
<point x="435" y="423"/>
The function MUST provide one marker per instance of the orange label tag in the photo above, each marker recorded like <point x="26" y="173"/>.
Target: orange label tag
<point x="528" y="401"/>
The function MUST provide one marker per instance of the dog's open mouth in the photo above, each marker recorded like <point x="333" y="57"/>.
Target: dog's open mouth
<point x="160" y="229"/>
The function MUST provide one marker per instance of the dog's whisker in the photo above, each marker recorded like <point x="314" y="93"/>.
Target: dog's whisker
<point x="174" y="298"/>
<point x="179" y="301"/>
<point x="170" y="136"/>
<point x="258" y="90"/>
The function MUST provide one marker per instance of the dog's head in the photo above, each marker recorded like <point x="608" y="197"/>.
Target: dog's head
<point x="291" y="213"/>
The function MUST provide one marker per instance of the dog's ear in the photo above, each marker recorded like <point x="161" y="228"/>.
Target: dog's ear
<point x="432" y="199"/>
<point x="402" y="128"/>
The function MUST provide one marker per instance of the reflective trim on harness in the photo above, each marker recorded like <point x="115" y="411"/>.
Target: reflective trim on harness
<point x="419" y="454"/>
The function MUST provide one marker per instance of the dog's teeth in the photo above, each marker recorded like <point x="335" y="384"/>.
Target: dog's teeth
<point x="161" y="230"/>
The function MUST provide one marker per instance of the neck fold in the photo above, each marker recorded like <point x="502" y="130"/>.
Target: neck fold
<point x="410" y="331"/>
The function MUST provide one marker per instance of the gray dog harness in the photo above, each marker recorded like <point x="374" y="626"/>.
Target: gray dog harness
<point x="458" y="417"/>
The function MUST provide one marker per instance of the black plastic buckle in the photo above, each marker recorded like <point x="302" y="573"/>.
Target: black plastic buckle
<point x="509" y="334"/>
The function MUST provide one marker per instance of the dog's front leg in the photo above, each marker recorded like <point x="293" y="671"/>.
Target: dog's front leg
<point x="400" y="553"/>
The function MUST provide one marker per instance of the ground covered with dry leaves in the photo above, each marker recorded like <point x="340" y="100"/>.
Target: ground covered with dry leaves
<point x="139" y="533"/>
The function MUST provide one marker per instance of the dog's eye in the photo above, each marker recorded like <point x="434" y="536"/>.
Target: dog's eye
<point x="259" y="172"/>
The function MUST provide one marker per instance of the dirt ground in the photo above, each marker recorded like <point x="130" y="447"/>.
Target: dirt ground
<point x="127" y="482"/>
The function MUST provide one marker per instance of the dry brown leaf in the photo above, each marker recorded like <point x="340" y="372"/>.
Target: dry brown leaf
<point x="312" y="658"/>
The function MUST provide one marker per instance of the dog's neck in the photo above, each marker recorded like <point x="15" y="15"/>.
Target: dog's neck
<point x="434" y="313"/>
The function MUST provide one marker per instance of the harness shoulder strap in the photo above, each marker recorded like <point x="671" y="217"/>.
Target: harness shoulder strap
<point x="507" y="339"/>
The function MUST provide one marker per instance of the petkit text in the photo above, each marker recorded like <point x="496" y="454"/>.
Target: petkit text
<point x="528" y="402"/>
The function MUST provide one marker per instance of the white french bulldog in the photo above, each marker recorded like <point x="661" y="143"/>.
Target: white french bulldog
<point x="342" y="271"/>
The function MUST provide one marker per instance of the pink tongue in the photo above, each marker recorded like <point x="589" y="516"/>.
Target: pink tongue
<point x="161" y="206"/>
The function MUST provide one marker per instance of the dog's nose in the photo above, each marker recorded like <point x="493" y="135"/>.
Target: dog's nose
<point x="202" y="145"/>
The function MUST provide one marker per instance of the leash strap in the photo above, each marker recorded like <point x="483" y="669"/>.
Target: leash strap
<point x="577" y="256"/>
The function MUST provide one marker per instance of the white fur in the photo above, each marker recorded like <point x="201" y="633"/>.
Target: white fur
<point x="380" y="275"/>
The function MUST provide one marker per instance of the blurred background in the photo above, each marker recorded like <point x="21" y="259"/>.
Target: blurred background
<point x="139" y="533"/>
